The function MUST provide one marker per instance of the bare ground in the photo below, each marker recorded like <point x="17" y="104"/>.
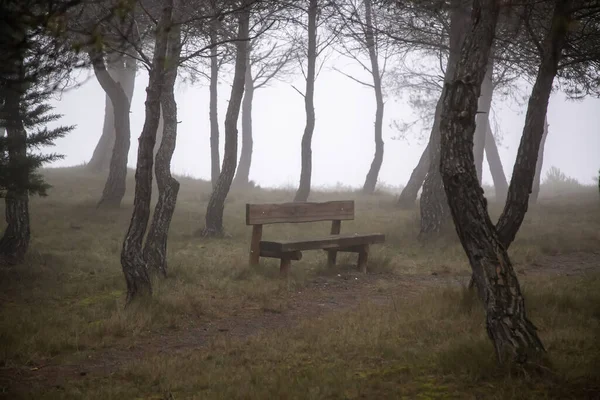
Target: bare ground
<point x="323" y="295"/>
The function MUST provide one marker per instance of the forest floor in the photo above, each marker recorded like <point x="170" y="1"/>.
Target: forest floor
<point x="218" y="329"/>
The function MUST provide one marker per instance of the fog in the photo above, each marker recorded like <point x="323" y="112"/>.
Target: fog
<point x="343" y="143"/>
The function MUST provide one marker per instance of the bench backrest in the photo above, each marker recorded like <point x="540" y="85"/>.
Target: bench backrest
<point x="259" y="214"/>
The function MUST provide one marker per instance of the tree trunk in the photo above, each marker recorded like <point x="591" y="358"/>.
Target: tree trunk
<point x="481" y="120"/>
<point x="524" y="170"/>
<point x="132" y="260"/>
<point x="101" y="157"/>
<point x="215" y="158"/>
<point x="216" y="203"/>
<point x="538" y="166"/>
<point x="408" y="196"/>
<point x="507" y="324"/>
<point x="242" y="176"/>
<point x="434" y="206"/>
<point x="114" y="189"/>
<point x="495" y="163"/>
<point x="155" y="249"/>
<point x="372" y="176"/>
<point x="306" y="168"/>
<point x="15" y="241"/>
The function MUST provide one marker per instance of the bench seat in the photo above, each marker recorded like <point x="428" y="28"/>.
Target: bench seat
<point x="333" y="242"/>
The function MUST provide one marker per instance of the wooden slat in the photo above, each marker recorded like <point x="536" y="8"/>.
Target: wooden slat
<point x="292" y="255"/>
<point x="328" y="242"/>
<point x="257" y="214"/>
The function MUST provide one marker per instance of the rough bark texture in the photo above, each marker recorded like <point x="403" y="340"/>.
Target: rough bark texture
<point x="495" y="163"/>
<point x="433" y="205"/>
<point x="15" y="241"/>
<point x="115" y="186"/>
<point x="155" y="249"/>
<point x="524" y="170"/>
<point x="132" y="260"/>
<point x="408" y="196"/>
<point x="535" y="191"/>
<point x="513" y="335"/>
<point x="216" y="203"/>
<point x="306" y="166"/>
<point x="373" y="174"/>
<point x="242" y="176"/>
<point x="102" y="154"/>
<point x="215" y="158"/>
<point x="482" y="118"/>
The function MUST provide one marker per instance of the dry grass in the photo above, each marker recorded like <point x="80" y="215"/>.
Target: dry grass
<point x="67" y="301"/>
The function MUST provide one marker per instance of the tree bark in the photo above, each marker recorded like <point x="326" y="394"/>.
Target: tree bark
<point x="242" y="176"/>
<point x="373" y="174"/>
<point x="482" y="118"/>
<point x="495" y="163"/>
<point x="15" y="241"/>
<point x="215" y="158"/>
<point x="132" y="260"/>
<point x="434" y="205"/>
<point x="155" y="249"/>
<point x="102" y="154"/>
<point x="535" y="193"/>
<point x="306" y="166"/>
<point x="524" y="170"/>
<point x="216" y="203"/>
<point x="115" y="186"/>
<point x="507" y="324"/>
<point x="408" y="196"/>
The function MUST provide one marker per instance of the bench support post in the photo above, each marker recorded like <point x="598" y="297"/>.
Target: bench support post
<point x="284" y="267"/>
<point x="363" y="258"/>
<point x="255" y="244"/>
<point x="336" y="227"/>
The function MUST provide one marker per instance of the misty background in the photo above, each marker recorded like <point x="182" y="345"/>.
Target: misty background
<point x="343" y="143"/>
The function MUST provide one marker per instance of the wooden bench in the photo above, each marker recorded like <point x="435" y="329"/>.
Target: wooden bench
<point x="258" y="215"/>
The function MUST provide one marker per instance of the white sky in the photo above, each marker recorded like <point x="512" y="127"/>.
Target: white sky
<point x="343" y="139"/>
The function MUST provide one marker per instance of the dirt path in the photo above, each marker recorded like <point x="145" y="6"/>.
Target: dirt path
<point x="321" y="296"/>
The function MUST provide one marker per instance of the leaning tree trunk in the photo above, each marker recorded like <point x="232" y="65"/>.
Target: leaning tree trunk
<point x="481" y="120"/>
<point x="216" y="203"/>
<point x="433" y="205"/>
<point x="409" y="193"/>
<point x="215" y="158"/>
<point x="132" y="259"/>
<point x="524" y="170"/>
<point x="242" y="175"/>
<point x="495" y="163"/>
<point x="371" y="179"/>
<point x="507" y="324"/>
<point x="15" y="241"/>
<point x="115" y="186"/>
<point x="535" y="193"/>
<point x="306" y="166"/>
<point x="101" y="156"/>
<point x="155" y="249"/>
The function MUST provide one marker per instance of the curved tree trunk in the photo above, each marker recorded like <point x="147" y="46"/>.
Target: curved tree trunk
<point x="524" y="170"/>
<point x="535" y="192"/>
<point x="434" y="206"/>
<point x="242" y="176"/>
<point x="481" y="120"/>
<point x="372" y="176"/>
<point x="306" y="167"/>
<point x="408" y="196"/>
<point x="507" y="324"/>
<point x="215" y="158"/>
<point x="216" y="203"/>
<point x="102" y="154"/>
<point x="132" y="260"/>
<point x="155" y="249"/>
<point x="114" y="189"/>
<point x="495" y="163"/>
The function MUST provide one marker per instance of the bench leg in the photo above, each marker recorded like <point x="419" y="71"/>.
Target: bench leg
<point x="331" y="258"/>
<point x="363" y="258"/>
<point x="284" y="267"/>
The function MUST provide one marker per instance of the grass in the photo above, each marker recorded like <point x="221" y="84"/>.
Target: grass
<point x="66" y="302"/>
